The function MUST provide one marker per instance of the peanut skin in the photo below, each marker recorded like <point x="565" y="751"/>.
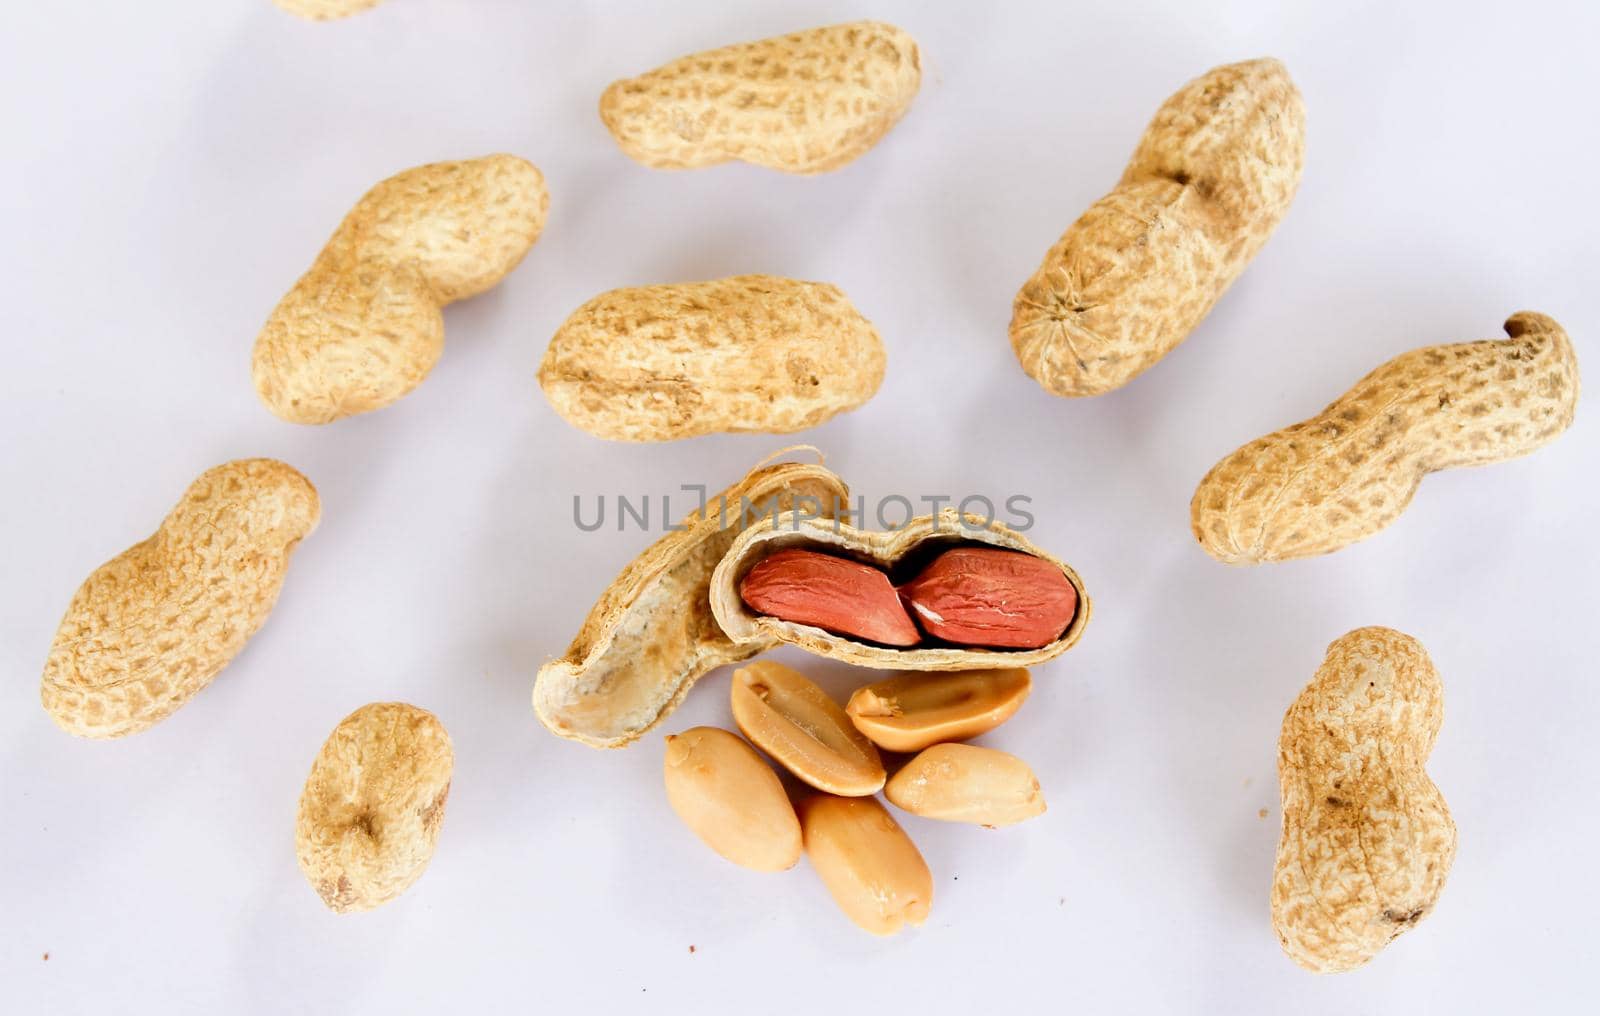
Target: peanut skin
<point x="364" y="326"/>
<point x="803" y="103"/>
<point x="831" y="593"/>
<point x="1346" y="473"/>
<point x="154" y="625"/>
<point x="985" y="596"/>
<point x="1210" y="180"/>
<point x="372" y="807"/>
<point x="1367" y="839"/>
<point x="748" y="353"/>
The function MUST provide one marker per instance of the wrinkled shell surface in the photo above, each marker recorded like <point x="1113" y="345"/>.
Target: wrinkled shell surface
<point x="364" y="326"/>
<point x="1348" y="472"/>
<point x="730" y="798"/>
<point x="326" y="10"/>
<point x="748" y="353"/>
<point x="1213" y="175"/>
<point x="802" y="103"/>
<point x="744" y="626"/>
<point x="651" y="634"/>
<point x="1367" y="839"/>
<point x="371" y="810"/>
<point x="151" y="627"/>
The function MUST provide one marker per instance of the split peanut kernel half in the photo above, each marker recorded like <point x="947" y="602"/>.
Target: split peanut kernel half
<point x="730" y="798"/>
<point x="870" y="866"/>
<point x="965" y="783"/>
<point x="912" y="711"/>
<point x="796" y="723"/>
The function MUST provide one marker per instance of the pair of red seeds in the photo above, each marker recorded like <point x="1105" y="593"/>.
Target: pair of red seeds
<point x="968" y="596"/>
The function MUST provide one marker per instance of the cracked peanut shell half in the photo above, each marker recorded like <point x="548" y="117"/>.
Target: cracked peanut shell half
<point x="651" y="635"/>
<point x="902" y="553"/>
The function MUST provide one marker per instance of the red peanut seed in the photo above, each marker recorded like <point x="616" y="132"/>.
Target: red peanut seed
<point x="986" y="596"/>
<point x="832" y="593"/>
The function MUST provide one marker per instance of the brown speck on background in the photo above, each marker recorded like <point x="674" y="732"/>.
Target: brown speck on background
<point x="1262" y="813"/>
<point x="47" y="957"/>
<point x="691" y="948"/>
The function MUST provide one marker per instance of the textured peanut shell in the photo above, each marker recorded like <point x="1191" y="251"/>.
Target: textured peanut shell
<point x="152" y="626"/>
<point x="364" y="326"/>
<point x="326" y="10"/>
<point x="1210" y="180"/>
<point x="747" y="353"/>
<point x="371" y="810"/>
<point x="802" y="103"/>
<point x="1367" y="839"/>
<point x="1346" y="473"/>
<point x="651" y="634"/>
<point x="744" y="626"/>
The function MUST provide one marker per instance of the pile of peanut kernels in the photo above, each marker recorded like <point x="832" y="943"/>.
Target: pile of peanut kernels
<point x="959" y="606"/>
<point x="732" y="800"/>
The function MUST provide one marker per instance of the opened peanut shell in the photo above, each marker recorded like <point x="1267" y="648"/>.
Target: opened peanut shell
<point x="901" y="553"/>
<point x="805" y="731"/>
<point x="909" y="712"/>
<point x="651" y="634"/>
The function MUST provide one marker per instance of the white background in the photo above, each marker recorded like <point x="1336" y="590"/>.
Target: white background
<point x="170" y="169"/>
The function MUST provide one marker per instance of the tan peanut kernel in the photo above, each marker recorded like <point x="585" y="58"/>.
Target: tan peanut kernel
<point x="871" y="868"/>
<point x="747" y="353"/>
<point x="911" y="711"/>
<point x="833" y="593"/>
<point x="795" y="722"/>
<point x="1210" y="180"/>
<point x="1324" y="483"/>
<point x="154" y="625"/>
<point x="986" y="596"/>
<point x="966" y="783"/>
<point x="326" y="10"/>
<point x="802" y="103"/>
<point x="372" y="807"/>
<point x="1367" y="839"/>
<point x="364" y="325"/>
<point x="730" y="798"/>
